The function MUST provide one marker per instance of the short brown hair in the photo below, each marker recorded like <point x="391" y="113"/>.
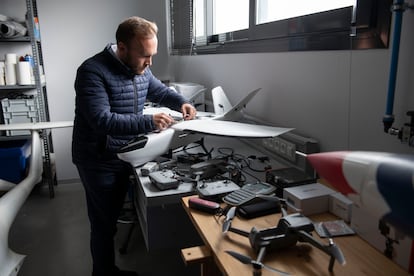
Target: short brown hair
<point x="135" y="26"/>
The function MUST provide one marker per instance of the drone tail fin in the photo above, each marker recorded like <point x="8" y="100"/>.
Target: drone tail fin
<point x="220" y="101"/>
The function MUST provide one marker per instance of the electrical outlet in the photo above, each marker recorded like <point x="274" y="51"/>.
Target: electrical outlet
<point x="281" y="147"/>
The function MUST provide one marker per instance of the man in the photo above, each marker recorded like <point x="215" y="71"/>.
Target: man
<point x="111" y="89"/>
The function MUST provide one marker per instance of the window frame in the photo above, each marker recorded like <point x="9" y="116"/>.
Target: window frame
<point x="370" y="22"/>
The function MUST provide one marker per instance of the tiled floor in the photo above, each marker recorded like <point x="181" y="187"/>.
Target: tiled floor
<point x="54" y="234"/>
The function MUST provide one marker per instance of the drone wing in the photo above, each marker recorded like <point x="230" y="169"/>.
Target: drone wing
<point x="229" y="128"/>
<point x="36" y="126"/>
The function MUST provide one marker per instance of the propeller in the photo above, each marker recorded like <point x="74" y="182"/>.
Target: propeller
<point x="336" y="252"/>
<point x="256" y="265"/>
<point x="229" y="217"/>
<point x="332" y="248"/>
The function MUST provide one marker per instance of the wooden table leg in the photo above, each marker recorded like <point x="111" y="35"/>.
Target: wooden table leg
<point x="201" y="255"/>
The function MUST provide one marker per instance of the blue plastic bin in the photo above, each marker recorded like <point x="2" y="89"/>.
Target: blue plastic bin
<point x="14" y="155"/>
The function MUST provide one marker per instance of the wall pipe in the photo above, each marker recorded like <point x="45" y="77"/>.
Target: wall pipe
<point x="398" y="9"/>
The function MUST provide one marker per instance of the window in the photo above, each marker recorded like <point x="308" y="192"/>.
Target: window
<point x="222" y="22"/>
<point x="271" y="10"/>
<point x="241" y="26"/>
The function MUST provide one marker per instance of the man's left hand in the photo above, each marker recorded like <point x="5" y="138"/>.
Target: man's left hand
<point x="189" y="112"/>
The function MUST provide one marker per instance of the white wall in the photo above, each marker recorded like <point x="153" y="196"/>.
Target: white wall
<point x="337" y="97"/>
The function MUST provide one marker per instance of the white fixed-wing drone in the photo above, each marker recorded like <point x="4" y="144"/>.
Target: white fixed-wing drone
<point x="222" y="122"/>
<point x="141" y="150"/>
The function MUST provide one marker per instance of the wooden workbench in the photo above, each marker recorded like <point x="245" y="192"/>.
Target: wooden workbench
<point x="302" y="259"/>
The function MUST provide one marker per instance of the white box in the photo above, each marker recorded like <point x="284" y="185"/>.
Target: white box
<point x="340" y="206"/>
<point x="310" y="198"/>
<point x="367" y="227"/>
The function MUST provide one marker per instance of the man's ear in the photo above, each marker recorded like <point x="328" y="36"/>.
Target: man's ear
<point x="122" y="48"/>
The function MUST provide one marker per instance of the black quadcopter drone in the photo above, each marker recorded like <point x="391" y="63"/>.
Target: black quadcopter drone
<point x="291" y="228"/>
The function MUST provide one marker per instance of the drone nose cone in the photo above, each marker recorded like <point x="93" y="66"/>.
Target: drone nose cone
<point x="329" y="166"/>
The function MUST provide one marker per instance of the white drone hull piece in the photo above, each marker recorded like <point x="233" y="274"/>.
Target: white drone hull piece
<point x="10" y="204"/>
<point x="12" y="201"/>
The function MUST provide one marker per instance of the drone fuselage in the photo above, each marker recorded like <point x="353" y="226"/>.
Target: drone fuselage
<point x="282" y="236"/>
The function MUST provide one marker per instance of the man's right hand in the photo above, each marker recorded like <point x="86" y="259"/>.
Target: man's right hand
<point x="162" y="120"/>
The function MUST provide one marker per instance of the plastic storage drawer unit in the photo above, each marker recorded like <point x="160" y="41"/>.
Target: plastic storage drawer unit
<point x="19" y="111"/>
<point x="14" y="156"/>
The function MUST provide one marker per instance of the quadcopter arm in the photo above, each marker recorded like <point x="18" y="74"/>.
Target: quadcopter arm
<point x="231" y="213"/>
<point x="238" y="231"/>
<point x="331" y="249"/>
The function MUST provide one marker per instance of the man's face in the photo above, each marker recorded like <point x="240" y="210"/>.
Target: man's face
<point x="138" y="54"/>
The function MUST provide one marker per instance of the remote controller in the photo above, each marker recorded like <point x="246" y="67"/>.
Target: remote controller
<point x="216" y="189"/>
<point x="247" y="193"/>
<point x="164" y="179"/>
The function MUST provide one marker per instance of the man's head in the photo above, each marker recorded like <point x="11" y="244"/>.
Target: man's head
<point x="137" y="43"/>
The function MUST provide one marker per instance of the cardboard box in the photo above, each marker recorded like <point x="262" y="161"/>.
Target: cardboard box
<point x="310" y="198"/>
<point x="368" y="227"/>
<point x="340" y="206"/>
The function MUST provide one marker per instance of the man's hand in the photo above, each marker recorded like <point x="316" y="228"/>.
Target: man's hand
<point x="189" y="112"/>
<point x="162" y="120"/>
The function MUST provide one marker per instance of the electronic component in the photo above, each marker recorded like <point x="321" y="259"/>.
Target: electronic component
<point x="148" y="168"/>
<point x="287" y="177"/>
<point x="258" y="209"/>
<point x="164" y="179"/>
<point x="216" y="189"/>
<point x="208" y="168"/>
<point x="248" y="192"/>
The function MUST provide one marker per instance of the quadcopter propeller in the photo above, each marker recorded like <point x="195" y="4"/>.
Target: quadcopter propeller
<point x="229" y="217"/>
<point x="333" y="248"/>
<point x="256" y="264"/>
<point x="336" y="252"/>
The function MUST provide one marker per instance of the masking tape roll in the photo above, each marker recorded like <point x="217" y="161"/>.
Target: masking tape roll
<point x="11" y="58"/>
<point x="10" y="73"/>
<point x="23" y="73"/>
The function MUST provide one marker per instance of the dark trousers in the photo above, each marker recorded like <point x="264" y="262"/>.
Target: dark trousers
<point x="105" y="194"/>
